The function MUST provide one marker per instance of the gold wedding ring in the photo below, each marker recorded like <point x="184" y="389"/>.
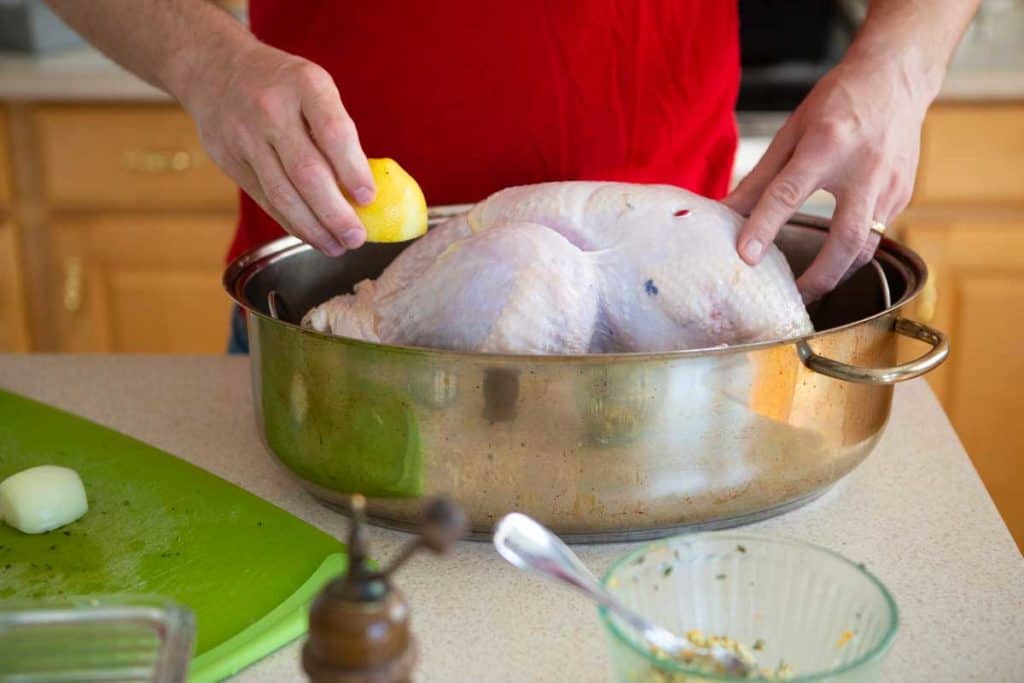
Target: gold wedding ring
<point x="878" y="227"/>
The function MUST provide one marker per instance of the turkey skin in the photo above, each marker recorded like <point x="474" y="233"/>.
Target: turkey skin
<point x="575" y="267"/>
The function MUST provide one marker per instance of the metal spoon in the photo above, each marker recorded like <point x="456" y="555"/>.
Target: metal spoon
<point x="529" y="546"/>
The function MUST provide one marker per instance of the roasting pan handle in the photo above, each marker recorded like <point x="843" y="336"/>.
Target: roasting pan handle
<point x="899" y="373"/>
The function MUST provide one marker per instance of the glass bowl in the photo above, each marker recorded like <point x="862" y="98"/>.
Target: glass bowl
<point x="791" y="603"/>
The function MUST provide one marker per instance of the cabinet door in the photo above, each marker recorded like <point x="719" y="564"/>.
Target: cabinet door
<point x="977" y="270"/>
<point x="13" y="323"/>
<point x="141" y="284"/>
<point x="5" y="164"/>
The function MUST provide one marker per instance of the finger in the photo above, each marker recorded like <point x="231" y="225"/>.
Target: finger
<point x="750" y="188"/>
<point x="312" y="177"/>
<point x="866" y="254"/>
<point x="893" y="199"/>
<point x="286" y="204"/>
<point x="847" y="237"/>
<point x="246" y="178"/>
<point x="336" y="136"/>
<point x="874" y="238"/>
<point x="780" y="200"/>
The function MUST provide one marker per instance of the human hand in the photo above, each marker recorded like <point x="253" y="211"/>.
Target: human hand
<point x="857" y="135"/>
<point x="275" y="123"/>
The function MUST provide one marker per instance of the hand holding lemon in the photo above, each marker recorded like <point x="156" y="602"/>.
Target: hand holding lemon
<point x="275" y="123"/>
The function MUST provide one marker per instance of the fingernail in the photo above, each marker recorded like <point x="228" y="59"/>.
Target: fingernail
<point x="353" y="238"/>
<point x="363" y="195"/>
<point x="752" y="250"/>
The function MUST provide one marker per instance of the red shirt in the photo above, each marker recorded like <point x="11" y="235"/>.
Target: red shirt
<point x="472" y="96"/>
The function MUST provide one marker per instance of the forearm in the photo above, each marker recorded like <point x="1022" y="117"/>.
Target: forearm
<point x="171" y="42"/>
<point x="915" y="37"/>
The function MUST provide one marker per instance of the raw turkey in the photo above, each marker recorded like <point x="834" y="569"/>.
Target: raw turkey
<point x="575" y="267"/>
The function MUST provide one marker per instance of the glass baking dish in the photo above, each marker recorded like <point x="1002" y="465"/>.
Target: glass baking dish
<point x="95" y="638"/>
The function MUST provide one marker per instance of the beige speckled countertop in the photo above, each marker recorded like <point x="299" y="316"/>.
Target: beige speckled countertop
<point x="77" y="74"/>
<point x="915" y="512"/>
<point x="981" y="72"/>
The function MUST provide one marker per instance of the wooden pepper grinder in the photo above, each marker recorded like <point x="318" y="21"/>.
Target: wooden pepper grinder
<point x="359" y="623"/>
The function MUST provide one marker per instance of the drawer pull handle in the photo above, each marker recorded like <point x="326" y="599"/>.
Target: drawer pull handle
<point x="151" y="161"/>
<point x="74" y="284"/>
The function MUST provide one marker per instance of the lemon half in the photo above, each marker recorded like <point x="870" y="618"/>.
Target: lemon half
<point x="399" y="211"/>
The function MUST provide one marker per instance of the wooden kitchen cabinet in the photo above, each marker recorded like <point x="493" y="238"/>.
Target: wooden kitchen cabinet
<point x="5" y="166"/>
<point x="14" y="334"/>
<point x="122" y="224"/>
<point x="978" y="274"/>
<point x="141" y="283"/>
<point x="971" y="153"/>
<point x="967" y="222"/>
<point x="102" y="157"/>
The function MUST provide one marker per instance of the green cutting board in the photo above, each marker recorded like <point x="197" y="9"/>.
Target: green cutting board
<point x="158" y="525"/>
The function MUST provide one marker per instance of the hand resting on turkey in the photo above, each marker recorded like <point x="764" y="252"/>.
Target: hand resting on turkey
<point x="575" y="267"/>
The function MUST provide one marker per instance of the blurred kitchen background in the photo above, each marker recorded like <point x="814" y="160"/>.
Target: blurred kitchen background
<point x="114" y="223"/>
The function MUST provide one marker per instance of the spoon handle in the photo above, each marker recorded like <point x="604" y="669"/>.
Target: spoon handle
<point x="527" y="545"/>
<point x="662" y="638"/>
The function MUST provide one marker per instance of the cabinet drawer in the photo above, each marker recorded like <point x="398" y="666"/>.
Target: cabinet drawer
<point x="972" y="153"/>
<point x="127" y="156"/>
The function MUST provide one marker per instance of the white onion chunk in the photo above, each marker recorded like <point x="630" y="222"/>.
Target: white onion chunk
<point x="42" y="498"/>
